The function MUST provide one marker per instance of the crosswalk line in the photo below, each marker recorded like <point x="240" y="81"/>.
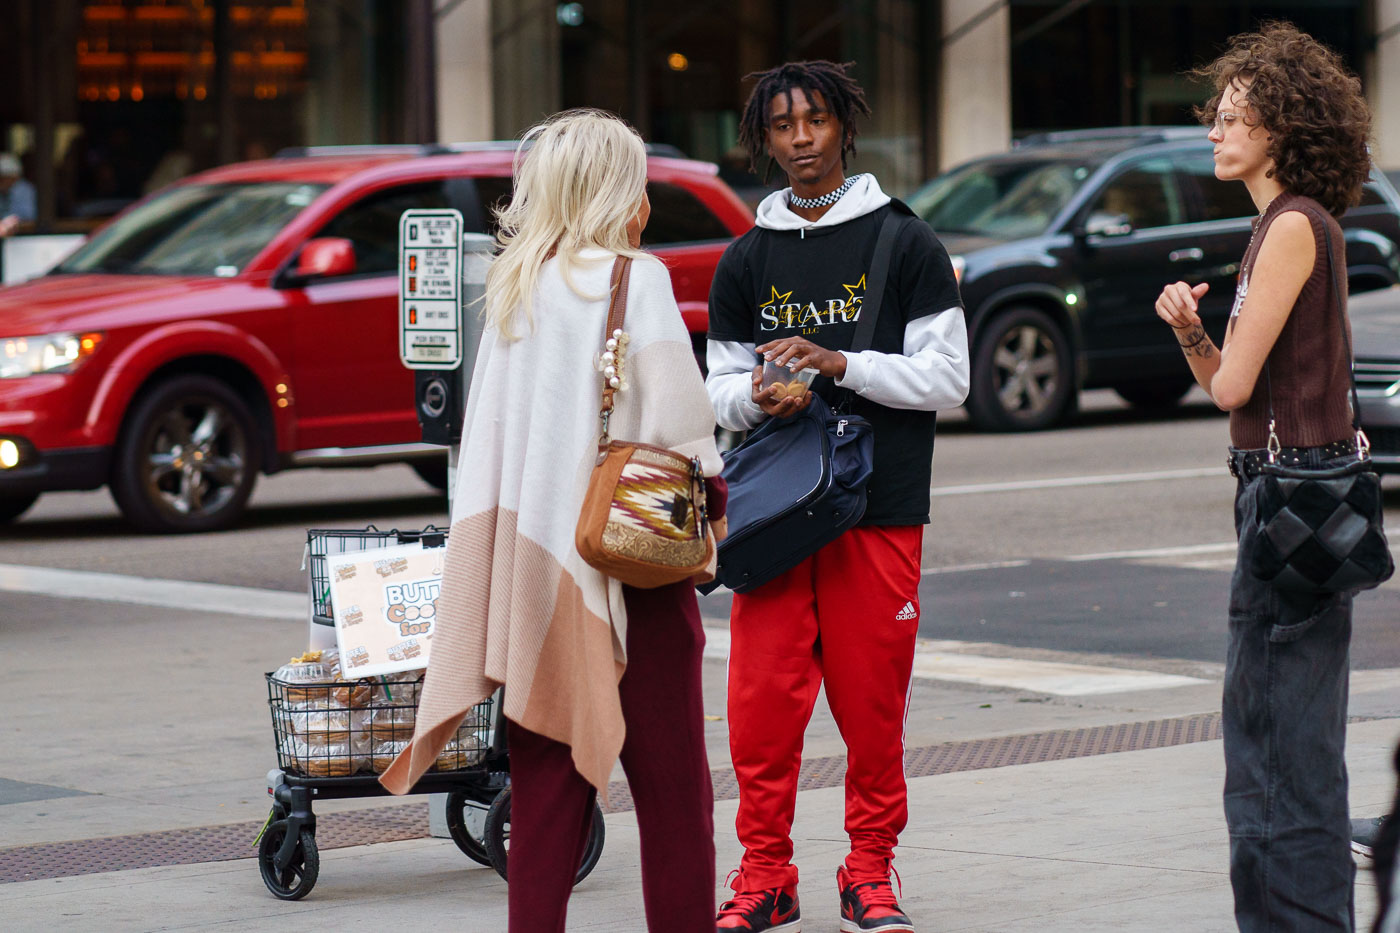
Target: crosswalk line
<point x="944" y="661"/>
<point x="936" y="661"/>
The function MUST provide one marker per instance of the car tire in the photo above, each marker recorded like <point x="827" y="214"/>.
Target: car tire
<point x="1022" y="372"/>
<point x="1155" y="394"/>
<point x="187" y="457"/>
<point x="12" y="507"/>
<point x="433" y="472"/>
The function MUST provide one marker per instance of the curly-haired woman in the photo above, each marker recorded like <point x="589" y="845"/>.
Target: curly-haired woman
<point x="1289" y="121"/>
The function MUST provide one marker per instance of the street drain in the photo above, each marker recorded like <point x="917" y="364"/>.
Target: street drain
<point x="410" y="821"/>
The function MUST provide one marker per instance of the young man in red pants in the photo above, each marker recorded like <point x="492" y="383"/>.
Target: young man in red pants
<point x="791" y="291"/>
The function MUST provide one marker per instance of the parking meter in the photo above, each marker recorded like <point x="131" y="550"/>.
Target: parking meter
<point x="441" y="272"/>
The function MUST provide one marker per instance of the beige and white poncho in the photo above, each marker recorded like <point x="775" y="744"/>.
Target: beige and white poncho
<point x="519" y="607"/>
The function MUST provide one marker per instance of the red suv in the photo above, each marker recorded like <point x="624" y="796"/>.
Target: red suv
<point x="245" y="321"/>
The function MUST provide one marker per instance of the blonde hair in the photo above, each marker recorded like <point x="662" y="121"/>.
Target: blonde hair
<point x="579" y="178"/>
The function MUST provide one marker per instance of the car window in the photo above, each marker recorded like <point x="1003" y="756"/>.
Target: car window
<point x="1371" y="197"/>
<point x="1220" y="200"/>
<point x="372" y="224"/>
<point x="194" y="230"/>
<point x="1145" y="194"/>
<point x="494" y="193"/>
<point x="1002" y="198"/>
<point x="677" y="216"/>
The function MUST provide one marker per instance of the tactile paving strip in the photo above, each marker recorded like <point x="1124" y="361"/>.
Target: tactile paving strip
<point x="203" y="844"/>
<point x="410" y="821"/>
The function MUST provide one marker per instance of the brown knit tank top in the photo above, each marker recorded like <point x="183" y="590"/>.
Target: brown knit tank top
<point x="1308" y="366"/>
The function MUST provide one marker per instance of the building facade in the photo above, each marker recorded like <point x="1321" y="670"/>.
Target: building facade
<point x="107" y="100"/>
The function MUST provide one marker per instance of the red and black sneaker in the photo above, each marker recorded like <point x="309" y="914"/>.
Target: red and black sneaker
<point x="869" y="905"/>
<point x="770" y="909"/>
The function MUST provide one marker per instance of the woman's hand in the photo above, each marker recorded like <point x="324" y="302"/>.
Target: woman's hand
<point x="1178" y="304"/>
<point x="798" y="353"/>
<point x="768" y="399"/>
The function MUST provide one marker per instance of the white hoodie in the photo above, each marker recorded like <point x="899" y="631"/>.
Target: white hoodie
<point x="930" y="375"/>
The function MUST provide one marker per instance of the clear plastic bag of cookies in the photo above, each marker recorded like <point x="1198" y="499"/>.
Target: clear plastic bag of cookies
<point x="400" y="689"/>
<point x="384" y="751"/>
<point x="324" y="759"/>
<point x="312" y="721"/>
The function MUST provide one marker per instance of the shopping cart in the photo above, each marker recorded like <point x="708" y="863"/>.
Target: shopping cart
<point x="334" y="738"/>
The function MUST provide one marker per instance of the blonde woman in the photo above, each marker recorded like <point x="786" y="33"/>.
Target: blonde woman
<point x="593" y="671"/>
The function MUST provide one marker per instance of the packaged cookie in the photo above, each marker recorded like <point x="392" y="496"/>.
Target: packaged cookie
<point x="789" y="383"/>
<point x="316" y="759"/>
<point x="317" y="722"/>
<point x="383" y="753"/>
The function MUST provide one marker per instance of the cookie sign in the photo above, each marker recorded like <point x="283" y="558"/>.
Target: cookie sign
<point x="384" y="604"/>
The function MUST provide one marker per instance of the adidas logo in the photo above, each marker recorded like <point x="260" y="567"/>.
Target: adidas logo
<point x="908" y="612"/>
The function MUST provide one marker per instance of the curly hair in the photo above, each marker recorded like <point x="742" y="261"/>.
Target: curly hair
<point x="841" y="92"/>
<point x="1310" y="104"/>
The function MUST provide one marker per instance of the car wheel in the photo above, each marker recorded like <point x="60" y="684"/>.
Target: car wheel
<point x="1021" y="372"/>
<point x="433" y="472"/>
<point x="1156" y="394"/>
<point x="12" y="507"/>
<point x="187" y="457"/>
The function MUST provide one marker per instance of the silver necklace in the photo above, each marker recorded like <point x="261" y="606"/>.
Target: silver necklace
<point x="825" y="200"/>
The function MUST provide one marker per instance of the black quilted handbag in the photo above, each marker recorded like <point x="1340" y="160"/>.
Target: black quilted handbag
<point x="1320" y="530"/>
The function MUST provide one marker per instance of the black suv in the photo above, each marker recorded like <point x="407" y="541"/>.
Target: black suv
<point x="1063" y="244"/>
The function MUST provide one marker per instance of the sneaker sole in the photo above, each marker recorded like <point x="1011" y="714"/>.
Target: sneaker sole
<point x="1360" y="848"/>
<point x="850" y="926"/>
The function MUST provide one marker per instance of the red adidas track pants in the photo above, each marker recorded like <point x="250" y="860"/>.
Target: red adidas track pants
<point x="848" y="615"/>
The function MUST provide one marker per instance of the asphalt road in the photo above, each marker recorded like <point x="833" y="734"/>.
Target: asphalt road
<point x="1109" y="537"/>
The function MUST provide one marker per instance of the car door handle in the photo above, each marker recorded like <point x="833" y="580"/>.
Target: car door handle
<point x="1192" y="254"/>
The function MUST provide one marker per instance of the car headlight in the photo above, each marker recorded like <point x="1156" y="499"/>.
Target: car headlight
<point x="50" y="353"/>
<point x="959" y="264"/>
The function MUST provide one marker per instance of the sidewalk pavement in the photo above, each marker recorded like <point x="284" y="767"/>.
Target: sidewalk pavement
<point x="165" y="729"/>
<point x="1122" y="842"/>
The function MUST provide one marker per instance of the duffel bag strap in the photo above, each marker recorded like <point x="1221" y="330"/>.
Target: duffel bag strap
<point x="874" y="291"/>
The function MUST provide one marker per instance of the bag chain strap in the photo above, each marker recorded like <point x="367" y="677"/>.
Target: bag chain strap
<point x="617" y="311"/>
<point x="1363" y="443"/>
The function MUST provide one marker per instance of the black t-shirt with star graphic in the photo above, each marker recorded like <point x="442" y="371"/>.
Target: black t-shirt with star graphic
<point x="772" y="284"/>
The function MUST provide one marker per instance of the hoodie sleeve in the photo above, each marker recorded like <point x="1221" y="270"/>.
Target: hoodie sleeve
<point x="730" y="384"/>
<point x="931" y="375"/>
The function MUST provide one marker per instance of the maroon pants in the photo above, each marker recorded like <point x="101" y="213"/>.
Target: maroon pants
<point x="667" y="770"/>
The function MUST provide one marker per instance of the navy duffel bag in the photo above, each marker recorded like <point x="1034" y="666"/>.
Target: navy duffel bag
<point x="780" y="517"/>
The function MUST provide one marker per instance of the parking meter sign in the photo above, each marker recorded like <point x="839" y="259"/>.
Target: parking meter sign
<point x="430" y="289"/>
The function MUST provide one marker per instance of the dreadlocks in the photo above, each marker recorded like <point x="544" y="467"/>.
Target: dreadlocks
<point x="843" y="96"/>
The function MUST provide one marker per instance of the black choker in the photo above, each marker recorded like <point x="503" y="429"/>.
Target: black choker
<point x="825" y="200"/>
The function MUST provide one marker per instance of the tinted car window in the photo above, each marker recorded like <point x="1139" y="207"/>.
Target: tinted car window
<point x="677" y="216"/>
<point x="493" y="192"/>
<point x="1370" y="197"/>
<point x="1145" y="194"/>
<point x="1220" y="200"/>
<point x="372" y="224"/>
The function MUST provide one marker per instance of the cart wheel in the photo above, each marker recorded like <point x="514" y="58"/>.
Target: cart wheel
<point x="299" y="877"/>
<point x="466" y="821"/>
<point x="498" y="837"/>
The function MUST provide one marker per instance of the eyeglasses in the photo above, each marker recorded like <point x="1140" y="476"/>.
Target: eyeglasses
<point x="1224" y="119"/>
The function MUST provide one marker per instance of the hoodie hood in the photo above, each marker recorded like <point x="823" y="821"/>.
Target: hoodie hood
<point x="863" y="197"/>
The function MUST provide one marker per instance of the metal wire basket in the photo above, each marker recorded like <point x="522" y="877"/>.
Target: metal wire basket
<point x="346" y="727"/>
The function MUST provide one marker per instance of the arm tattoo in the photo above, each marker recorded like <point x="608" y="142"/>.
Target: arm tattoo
<point x="1197" y="343"/>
